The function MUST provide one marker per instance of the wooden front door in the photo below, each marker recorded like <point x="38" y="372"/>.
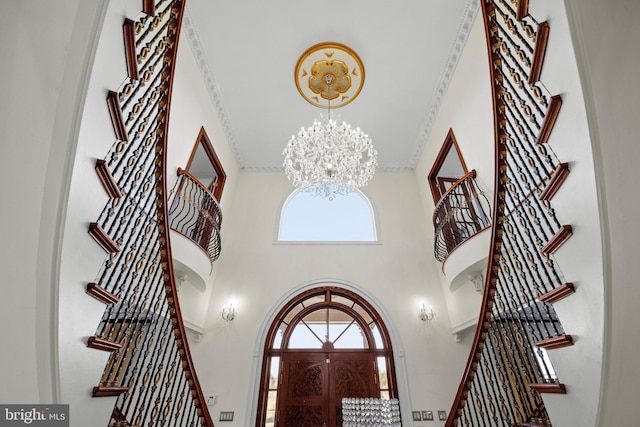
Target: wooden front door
<point x="314" y="383"/>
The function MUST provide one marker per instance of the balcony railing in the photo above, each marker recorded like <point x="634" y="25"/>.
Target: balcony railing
<point x="195" y="213"/>
<point x="461" y="213"/>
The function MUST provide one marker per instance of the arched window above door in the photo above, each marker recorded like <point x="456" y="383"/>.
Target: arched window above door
<point x="329" y="334"/>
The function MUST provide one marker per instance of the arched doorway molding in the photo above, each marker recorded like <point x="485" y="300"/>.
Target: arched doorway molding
<point x="269" y="318"/>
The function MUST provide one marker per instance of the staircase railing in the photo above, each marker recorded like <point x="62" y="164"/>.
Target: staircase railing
<point x="507" y="368"/>
<point x="461" y="213"/>
<point x="195" y="213"/>
<point x="150" y="368"/>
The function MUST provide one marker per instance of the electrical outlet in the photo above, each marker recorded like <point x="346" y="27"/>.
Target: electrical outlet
<point x="211" y="400"/>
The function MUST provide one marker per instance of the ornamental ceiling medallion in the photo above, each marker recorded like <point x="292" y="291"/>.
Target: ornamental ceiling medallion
<point x="329" y="72"/>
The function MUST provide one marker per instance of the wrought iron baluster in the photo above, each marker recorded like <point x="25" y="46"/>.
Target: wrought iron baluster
<point x="196" y="214"/>
<point x="145" y="320"/>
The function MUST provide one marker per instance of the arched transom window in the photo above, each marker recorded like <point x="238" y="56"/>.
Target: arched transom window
<point x="325" y="344"/>
<point x="306" y="217"/>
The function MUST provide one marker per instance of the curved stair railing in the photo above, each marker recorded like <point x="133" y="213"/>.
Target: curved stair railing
<point x="195" y="214"/>
<point x="150" y="368"/>
<point x="461" y="213"/>
<point x="508" y="369"/>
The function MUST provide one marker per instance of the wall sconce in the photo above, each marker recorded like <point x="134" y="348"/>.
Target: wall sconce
<point x="426" y="314"/>
<point x="228" y="312"/>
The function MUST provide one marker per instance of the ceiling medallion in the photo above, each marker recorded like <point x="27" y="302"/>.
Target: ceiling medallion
<point x="329" y="73"/>
<point x="329" y="158"/>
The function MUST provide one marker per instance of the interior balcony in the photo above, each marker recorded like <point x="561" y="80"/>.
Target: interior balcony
<point x="462" y="238"/>
<point x="195" y="219"/>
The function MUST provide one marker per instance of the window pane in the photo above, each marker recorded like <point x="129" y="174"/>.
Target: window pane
<point x="377" y="336"/>
<point x="271" y="409"/>
<point x="362" y="312"/>
<point x="277" y="339"/>
<point x="316" y="317"/>
<point x="352" y="337"/>
<point x="274" y="372"/>
<point x="306" y="217"/>
<point x="342" y="300"/>
<point x="302" y="337"/>
<point x="382" y="372"/>
<point x="313" y="300"/>
<point x="291" y="314"/>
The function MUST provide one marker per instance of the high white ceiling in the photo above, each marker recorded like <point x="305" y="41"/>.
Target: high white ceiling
<point x="248" y="49"/>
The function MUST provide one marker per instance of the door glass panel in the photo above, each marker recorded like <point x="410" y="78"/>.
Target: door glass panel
<point x="272" y="394"/>
<point x="274" y="372"/>
<point x="271" y="409"/>
<point x="277" y="340"/>
<point x="382" y="373"/>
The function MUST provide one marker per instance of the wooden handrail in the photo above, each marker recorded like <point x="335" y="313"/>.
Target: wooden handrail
<point x="522" y="247"/>
<point x="195" y="213"/>
<point x="459" y="215"/>
<point x="471" y="174"/>
<point x="186" y="173"/>
<point x="496" y="234"/>
<point x="165" y="243"/>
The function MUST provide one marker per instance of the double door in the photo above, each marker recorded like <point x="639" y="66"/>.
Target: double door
<point x="314" y="383"/>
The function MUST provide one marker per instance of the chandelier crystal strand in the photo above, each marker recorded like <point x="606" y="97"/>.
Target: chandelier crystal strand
<point x="330" y="159"/>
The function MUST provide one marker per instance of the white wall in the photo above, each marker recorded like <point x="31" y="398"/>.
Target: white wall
<point x="467" y="110"/>
<point x="192" y="109"/>
<point x="81" y="257"/>
<point x="257" y="272"/>
<point x="606" y="36"/>
<point x="46" y="51"/>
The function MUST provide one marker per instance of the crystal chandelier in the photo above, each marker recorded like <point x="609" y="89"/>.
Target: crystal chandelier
<point x="329" y="158"/>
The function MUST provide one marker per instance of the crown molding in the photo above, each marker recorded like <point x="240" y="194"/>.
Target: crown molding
<point x="470" y="13"/>
<point x="191" y="32"/>
<point x="462" y="35"/>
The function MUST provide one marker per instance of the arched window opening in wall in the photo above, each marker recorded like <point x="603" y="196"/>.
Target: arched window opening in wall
<point x="325" y="344"/>
<point x="448" y="167"/>
<point x="205" y="166"/>
<point x="309" y="218"/>
<point x="461" y="207"/>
